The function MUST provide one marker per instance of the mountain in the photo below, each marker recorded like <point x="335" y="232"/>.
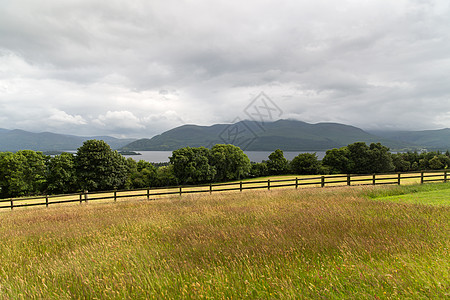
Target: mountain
<point x="428" y="139"/>
<point x="288" y="135"/>
<point x="14" y="140"/>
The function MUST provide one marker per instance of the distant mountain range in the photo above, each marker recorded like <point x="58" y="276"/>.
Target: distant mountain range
<point x="288" y="135"/>
<point x="428" y="139"/>
<point x="13" y="140"/>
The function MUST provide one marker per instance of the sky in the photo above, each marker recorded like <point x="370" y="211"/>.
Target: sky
<point x="137" y="68"/>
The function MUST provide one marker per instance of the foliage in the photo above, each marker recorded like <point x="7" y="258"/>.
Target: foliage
<point x="259" y="170"/>
<point x="141" y="174"/>
<point x="358" y="158"/>
<point x="192" y="165"/>
<point x="380" y="159"/>
<point x="230" y="162"/>
<point x="166" y="177"/>
<point x="100" y="168"/>
<point x="61" y="174"/>
<point x="413" y="161"/>
<point x="306" y="164"/>
<point x="337" y="160"/>
<point x="277" y="163"/>
<point x="22" y="173"/>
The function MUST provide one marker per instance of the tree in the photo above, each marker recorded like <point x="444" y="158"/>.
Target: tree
<point x="61" y="176"/>
<point x="439" y="161"/>
<point x="259" y="169"/>
<point x="230" y="162"/>
<point x="22" y="173"/>
<point x="166" y="176"/>
<point x="400" y="163"/>
<point x="380" y="159"/>
<point x="306" y="163"/>
<point x="191" y="165"/>
<point x="277" y="163"/>
<point x="141" y="174"/>
<point x="100" y="168"/>
<point x="337" y="160"/>
<point x="359" y="158"/>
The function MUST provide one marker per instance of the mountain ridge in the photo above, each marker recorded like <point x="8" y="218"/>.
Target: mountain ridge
<point x="17" y="139"/>
<point x="288" y="135"/>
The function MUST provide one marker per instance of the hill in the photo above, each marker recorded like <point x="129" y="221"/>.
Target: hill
<point x="429" y="139"/>
<point x="288" y="135"/>
<point x="14" y="140"/>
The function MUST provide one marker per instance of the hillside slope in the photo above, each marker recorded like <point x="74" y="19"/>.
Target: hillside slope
<point x="429" y="139"/>
<point x="288" y="135"/>
<point x="14" y="140"/>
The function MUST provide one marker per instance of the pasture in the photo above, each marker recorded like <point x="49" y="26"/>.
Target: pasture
<point x="272" y="182"/>
<point x="334" y="243"/>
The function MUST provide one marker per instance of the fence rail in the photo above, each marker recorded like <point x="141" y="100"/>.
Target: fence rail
<point x="155" y="193"/>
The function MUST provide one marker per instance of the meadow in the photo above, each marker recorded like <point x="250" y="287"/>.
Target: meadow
<point x="370" y="242"/>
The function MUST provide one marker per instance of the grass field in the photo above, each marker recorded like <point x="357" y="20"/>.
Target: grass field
<point x="283" y="181"/>
<point x="334" y="243"/>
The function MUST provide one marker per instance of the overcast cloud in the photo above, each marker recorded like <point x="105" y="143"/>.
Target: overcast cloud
<point x="137" y="68"/>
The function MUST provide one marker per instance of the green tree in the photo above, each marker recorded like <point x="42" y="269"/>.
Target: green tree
<point x="306" y="163"/>
<point x="166" y="177"/>
<point x="400" y="163"/>
<point x="277" y="163"/>
<point x="230" y="162"/>
<point x="141" y="174"/>
<point x="337" y="160"/>
<point x="100" y="168"/>
<point x="192" y="165"/>
<point x="259" y="170"/>
<point x="439" y="161"/>
<point x="61" y="175"/>
<point x="435" y="163"/>
<point x="22" y="173"/>
<point x="380" y="159"/>
<point x="359" y="158"/>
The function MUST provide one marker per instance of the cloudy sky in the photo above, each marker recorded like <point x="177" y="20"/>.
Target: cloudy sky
<point x="136" y="68"/>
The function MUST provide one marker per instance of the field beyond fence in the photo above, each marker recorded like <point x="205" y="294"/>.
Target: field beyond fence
<point x="270" y="183"/>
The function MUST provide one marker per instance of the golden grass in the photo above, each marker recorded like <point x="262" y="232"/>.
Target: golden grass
<point x="304" y="181"/>
<point x="330" y="243"/>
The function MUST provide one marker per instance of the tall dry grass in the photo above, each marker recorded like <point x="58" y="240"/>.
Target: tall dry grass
<point x="320" y="243"/>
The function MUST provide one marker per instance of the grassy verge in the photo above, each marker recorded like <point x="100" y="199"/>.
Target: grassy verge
<point x="331" y="243"/>
<point x="427" y="194"/>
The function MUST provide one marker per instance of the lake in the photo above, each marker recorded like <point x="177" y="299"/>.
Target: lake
<point x="255" y="156"/>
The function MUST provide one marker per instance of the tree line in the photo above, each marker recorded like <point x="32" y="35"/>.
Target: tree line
<point x="95" y="167"/>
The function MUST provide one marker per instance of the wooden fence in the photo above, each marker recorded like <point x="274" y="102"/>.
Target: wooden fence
<point x="155" y="193"/>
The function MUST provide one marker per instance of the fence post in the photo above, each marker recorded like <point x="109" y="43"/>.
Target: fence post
<point x="421" y="178"/>
<point x="374" y="180"/>
<point x="296" y="182"/>
<point x="180" y="191"/>
<point x="240" y="186"/>
<point x="86" y="196"/>
<point x="115" y="196"/>
<point x="445" y="176"/>
<point x="81" y="197"/>
<point x="399" y="176"/>
<point x="12" y="204"/>
<point x="348" y="179"/>
<point x="268" y="184"/>
<point x="46" y="200"/>
<point x="322" y="181"/>
<point x="210" y="188"/>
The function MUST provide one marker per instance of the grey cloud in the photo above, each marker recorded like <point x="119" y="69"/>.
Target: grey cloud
<point x="371" y="64"/>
